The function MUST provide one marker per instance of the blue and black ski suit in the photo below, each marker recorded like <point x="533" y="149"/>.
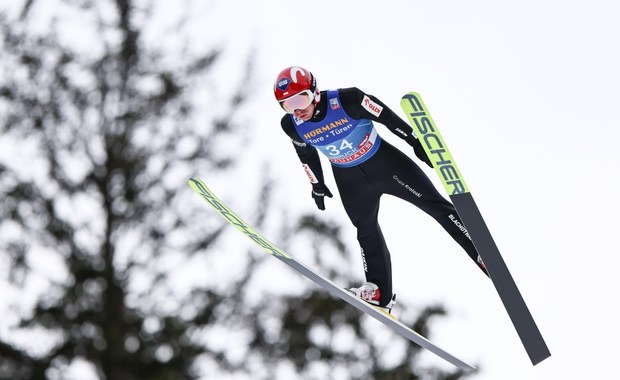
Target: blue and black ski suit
<point x="365" y="167"/>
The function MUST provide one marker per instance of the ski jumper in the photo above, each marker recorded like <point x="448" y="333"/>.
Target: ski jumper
<point x="365" y="167"/>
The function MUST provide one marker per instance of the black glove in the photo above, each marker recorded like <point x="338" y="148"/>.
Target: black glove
<point x="421" y="153"/>
<point x="319" y="192"/>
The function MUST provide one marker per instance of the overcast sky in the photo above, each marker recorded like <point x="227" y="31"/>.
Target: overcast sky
<point x="526" y="95"/>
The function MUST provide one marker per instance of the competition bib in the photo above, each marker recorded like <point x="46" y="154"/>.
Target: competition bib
<point x="344" y="140"/>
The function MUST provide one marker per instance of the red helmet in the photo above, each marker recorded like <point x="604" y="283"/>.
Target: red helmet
<point x="293" y="81"/>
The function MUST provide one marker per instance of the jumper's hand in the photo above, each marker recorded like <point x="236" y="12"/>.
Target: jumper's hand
<point x="421" y="154"/>
<point x="319" y="192"/>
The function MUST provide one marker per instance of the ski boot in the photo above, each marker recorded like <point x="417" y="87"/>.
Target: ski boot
<point x="370" y="293"/>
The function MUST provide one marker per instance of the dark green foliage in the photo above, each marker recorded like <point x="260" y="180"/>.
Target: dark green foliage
<point x="93" y="204"/>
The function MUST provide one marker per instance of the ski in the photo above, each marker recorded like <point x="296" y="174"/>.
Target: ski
<point x="466" y="207"/>
<point x="203" y="191"/>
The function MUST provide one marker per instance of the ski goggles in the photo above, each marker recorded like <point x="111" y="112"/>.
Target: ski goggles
<point x="297" y="102"/>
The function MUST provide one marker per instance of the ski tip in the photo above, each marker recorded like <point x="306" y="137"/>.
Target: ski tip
<point x="536" y="359"/>
<point x="195" y="183"/>
<point x="411" y="93"/>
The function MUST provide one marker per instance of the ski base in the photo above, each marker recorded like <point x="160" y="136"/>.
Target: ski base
<point x="387" y="319"/>
<point x="454" y="183"/>
<point x="505" y="285"/>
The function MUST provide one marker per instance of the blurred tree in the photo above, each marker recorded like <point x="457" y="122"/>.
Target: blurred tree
<point x="103" y="136"/>
<point x="101" y="127"/>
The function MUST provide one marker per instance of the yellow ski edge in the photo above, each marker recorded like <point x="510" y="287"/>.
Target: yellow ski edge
<point x="433" y="143"/>
<point x="203" y="191"/>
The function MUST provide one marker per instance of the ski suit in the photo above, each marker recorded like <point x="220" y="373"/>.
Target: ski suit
<point x="365" y="167"/>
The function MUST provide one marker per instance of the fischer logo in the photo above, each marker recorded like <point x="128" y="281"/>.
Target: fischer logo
<point x="459" y="225"/>
<point x="438" y="153"/>
<point x="371" y="106"/>
<point x="233" y="219"/>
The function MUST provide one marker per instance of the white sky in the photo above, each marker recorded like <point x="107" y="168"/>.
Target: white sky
<point x="525" y="94"/>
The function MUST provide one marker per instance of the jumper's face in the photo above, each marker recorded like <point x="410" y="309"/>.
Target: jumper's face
<point x="305" y="114"/>
<point x="301" y="105"/>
